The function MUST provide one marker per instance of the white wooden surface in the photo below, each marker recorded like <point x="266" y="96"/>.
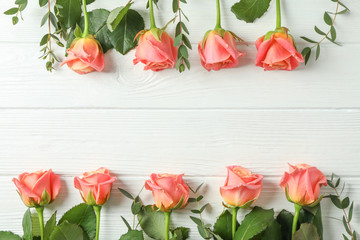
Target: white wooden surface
<point x="136" y="122"/>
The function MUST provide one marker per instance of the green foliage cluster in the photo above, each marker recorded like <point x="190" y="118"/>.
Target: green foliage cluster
<point x="79" y="223"/>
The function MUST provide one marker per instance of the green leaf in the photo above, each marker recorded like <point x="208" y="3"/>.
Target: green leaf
<point x="254" y="223"/>
<point x="27" y="225"/>
<point x="223" y="225"/>
<point x="49" y="226"/>
<point x="336" y="201"/>
<point x="317" y="52"/>
<point x="11" y="11"/>
<point x="319" y="31"/>
<point x="9" y="236"/>
<point x="15" y="20"/>
<point x="327" y="19"/>
<point x="181" y="233"/>
<point x="273" y="232"/>
<point x="70" y="13"/>
<point x="136" y="207"/>
<point x="97" y="27"/>
<point x="126" y="223"/>
<point x="175" y="6"/>
<point x="44" y="19"/>
<point x="306" y="52"/>
<point x="345" y="203"/>
<point x="43" y="2"/>
<point x="249" y="10"/>
<point x="307" y="231"/>
<point x="133" y="235"/>
<point x="312" y="215"/>
<point x="152" y="222"/>
<point x="67" y="231"/>
<point x="123" y="36"/>
<point x="308" y="40"/>
<point x="351" y="211"/>
<point x="116" y="16"/>
<point x="83" y="216"/>
<point x="333" y="33"/>
<point x="346" y="225"/>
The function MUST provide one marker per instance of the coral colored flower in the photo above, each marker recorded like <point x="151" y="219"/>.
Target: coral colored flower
<point x="38" y="188"/>
<point x="219" y="51"/>
<point x="168" y="191"/>
<point x="156" y="55"/>
<point x="95" y="186"/>
<point x="241" y="188"/>
<point x="85" y="55"/>
<point x="277" y="52"/>
<point x="302" y="184"/>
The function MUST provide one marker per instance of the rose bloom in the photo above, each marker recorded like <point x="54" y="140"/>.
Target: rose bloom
<point x="277" y="53"/>
<point x="168" y="190"/>
<point x="38" y="188"/>
<point x="95" y="186"/>
<point x="302" y="184"/>
<point x="241" y="188"/>
<point x="219" y="51"/>
<point x="85" y="55"/>
<point x="156" y="55"/>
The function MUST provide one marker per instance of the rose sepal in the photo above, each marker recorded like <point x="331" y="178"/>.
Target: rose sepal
<point x="156" y="32"/>
<point x="246" y="205"/>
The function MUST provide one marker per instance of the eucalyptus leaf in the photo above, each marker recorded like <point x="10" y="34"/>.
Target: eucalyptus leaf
<point x="249" y="10"/>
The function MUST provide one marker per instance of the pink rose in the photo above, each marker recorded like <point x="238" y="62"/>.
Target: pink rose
<point x="95" y="186"/>
<point x="168" y="191"/>
<point x="302" y="184"/>
<point x="219" y="51"/>
<point x="156" y="55"/>
<point x="38" y="188"/>
<point x="85" y="55"/>
<point x="277" y="52"/>
<point x="241" y="188"/>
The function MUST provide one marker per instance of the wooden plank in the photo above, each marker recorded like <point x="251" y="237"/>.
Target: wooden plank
<point x="299" y="16"/>
<point x="112" y="226"/>
<point x="326" y="84"/>
<point x="197" y="142"/>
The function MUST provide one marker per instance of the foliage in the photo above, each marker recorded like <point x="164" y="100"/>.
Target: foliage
<point x="329" y="35"/>
<point x="249" y="10"/>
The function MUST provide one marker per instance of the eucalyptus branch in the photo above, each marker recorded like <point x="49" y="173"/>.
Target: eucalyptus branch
<point x="181" y="40"/>
<point x="21" y="5"/>
<point x="329" y="35"/>
<point x="342" y="204"/>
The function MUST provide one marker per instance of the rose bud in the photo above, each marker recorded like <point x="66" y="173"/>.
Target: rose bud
<point x="85" y="55"/>
<point x="95" y="186"/>
<point x="156" y="50"/>
<point x="38" y="188"/>
<point x="241" y="188"/>
<point x="169" y="191"/>
<point x="218" y="50"/>
<point x="277" y="51"/>
<point x="302" y="184"/>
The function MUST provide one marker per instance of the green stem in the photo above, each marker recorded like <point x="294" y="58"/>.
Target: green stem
<point x="40" y="211"/>
<point x="86" y="19"/>
<point x="234" y="221"/>
<point x="218" y="9"/>
<point x="296" y="218"/>
<point x="97" y="210"/>
<point x="167" y="221"/>
<point x="278" y="14"/>
<point x="152" y="18"/>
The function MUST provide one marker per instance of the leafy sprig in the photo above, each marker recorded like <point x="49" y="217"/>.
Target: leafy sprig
<point x="343" y="204"/>
<point x="181" y="40"/>
<point x="16" y="11"/>
<point x="329" y="35"/>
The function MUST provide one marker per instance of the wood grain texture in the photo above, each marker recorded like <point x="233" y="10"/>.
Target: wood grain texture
<point x="137" y="122"/>
<point x="112" y="226"/>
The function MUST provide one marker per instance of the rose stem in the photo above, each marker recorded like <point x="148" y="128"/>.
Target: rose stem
<point x="296" y="218"/>
<point x="152" y="18"/>
<point x="218" y="20"/>
<point x="278" y="14"/>
<point x="86" y="19"/>
<point x="40" y="211"/>
<point x="234" y="221"/>
<point x="167" y="221"/>
<point x="97" y="211"/>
